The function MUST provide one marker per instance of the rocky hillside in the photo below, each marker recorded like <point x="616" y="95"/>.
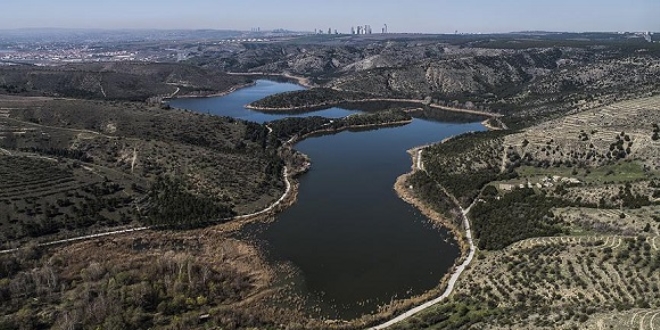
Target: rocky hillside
<point x="516" y="76"/>
<point x="114" y="81"/>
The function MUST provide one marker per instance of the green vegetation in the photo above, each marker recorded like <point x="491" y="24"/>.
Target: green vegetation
<point x="620" y="172"/>
<point x="77" y="167"/>
<point x="550" y="284"/>
<point x="446" y="116"/>
<point x="172" y="207"/>
<point x="428" y="190"/>
<point x="567" y="236"/>
<point x="520" y="214"/>
<point x="450" y="316"/>
<point x="312" y="98"/>
<point x="287" y="128"/>
<point x="43" y="197"/>
<point x="465" y="164"/>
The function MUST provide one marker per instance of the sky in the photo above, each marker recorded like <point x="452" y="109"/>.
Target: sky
<point x="403" y="16"/>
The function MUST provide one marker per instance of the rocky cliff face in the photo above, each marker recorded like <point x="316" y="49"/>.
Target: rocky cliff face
<point x="455" y="75"/>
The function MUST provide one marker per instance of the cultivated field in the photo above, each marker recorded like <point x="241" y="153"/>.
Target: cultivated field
<point x="587" y="252"/>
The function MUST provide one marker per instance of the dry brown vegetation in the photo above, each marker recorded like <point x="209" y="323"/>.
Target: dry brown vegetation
<point x="189" y="279"/>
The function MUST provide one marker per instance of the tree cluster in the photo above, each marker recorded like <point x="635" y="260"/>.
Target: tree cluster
<point x="287" y="128"/>
<point x="172" y="206"/>
<point x="520" y="214"/>
<point x="310" y="98"/>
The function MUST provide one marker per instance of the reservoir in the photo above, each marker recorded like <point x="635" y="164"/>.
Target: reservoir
<point x="354" y="243"/>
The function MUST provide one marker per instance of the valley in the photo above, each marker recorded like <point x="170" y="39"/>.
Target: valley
<point x="191" y="193"/>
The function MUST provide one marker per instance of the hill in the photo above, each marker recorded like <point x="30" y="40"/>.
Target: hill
<point x="115" y="81"/>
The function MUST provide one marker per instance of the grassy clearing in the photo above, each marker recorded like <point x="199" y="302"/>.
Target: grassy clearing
<point x="613" y="173"/>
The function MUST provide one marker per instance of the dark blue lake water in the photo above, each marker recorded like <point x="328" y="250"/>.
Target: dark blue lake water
<point x="355" y="243"/>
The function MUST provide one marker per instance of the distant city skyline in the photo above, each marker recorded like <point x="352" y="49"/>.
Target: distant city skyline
<point x="423" y="16"/>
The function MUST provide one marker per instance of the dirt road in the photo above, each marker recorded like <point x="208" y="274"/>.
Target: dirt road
<point x="419" y="166"/>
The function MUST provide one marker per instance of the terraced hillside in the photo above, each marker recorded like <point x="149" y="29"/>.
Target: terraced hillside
<point x="625" y="130"/>
<point x="70" y="166"/>
<point x="569" y="237"/>
<point x="633" y="319"/>
<point x="555" y="283"/>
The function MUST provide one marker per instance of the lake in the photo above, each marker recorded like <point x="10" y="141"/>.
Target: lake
<point x="355" y="244"/>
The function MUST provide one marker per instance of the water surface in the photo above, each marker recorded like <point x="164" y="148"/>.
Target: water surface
<point x="355" y="243"/>
<point x="232" y="105"/>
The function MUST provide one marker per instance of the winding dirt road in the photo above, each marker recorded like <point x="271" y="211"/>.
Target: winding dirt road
<point x="287" y="181"/>
<point x="275" y="204"/>
<point x="81" y="238"/>
<point x="419" y="166"/>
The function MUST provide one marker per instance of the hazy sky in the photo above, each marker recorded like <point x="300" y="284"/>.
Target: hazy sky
<point x="426" y="16"/>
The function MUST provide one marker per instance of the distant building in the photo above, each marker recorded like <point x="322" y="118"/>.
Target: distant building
<point x="365" y="29"/>
<point x="648" y="37"/>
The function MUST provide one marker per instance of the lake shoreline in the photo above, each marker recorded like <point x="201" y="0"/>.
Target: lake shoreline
<point x="290" y="194"/>
<point x="339" y="103"/>
<point x="289" y="198"/>
<point x="214" y="94"/>
<point x="406" y="193"/>
<point x="302" y="81"/>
